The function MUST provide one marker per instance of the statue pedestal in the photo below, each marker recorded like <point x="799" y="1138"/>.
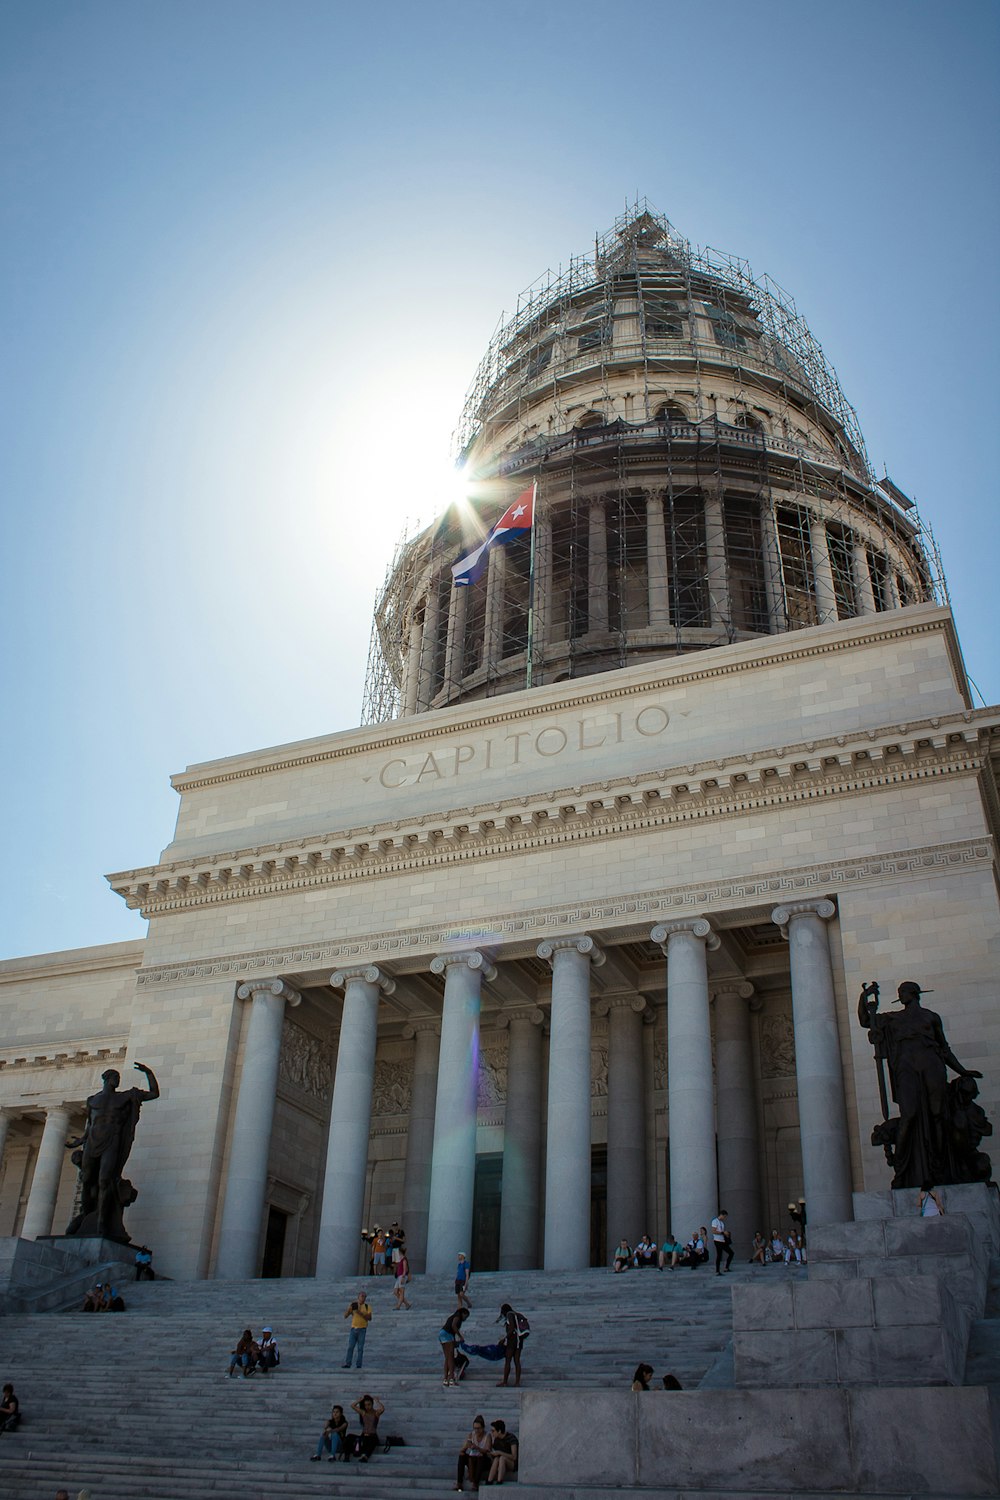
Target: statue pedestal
<point x="889" y="1299"/>
<point x="54" y="1271"/>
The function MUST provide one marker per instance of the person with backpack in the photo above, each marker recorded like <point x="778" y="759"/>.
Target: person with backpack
<point x="515" y="1329"/>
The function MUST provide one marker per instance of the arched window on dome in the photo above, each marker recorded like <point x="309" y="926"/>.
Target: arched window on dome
<point x="671" y="411"/>
<point x="749" y="422"/>
<point x="589" y="419"/>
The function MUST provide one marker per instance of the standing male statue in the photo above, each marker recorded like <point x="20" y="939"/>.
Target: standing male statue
<point x="927" y="1143"/>
<point x="105" y="1145"/>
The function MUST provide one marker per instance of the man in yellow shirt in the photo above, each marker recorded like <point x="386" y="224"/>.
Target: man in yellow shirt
<point x="360" y="1314"/>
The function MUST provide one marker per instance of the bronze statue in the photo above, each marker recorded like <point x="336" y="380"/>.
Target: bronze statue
<point x="102" y="1152"/>
<point x="935" y="1137"/>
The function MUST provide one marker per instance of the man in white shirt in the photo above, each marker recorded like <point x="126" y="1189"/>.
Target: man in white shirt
<point x="722" y="1240"/>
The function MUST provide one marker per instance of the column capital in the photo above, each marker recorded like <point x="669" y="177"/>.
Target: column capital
<point x="418" y="1024"/>
<point x="741" y="988"/>
<point x="608" y="1003"/>
<point x="276" y="987"/>
<point x="471" y="959"/>
<point x="699" y="927"/>
<point x="782" y="915"/>
<point x="368" y="973"/>
<point x="582" y="943"/>
<point x="520" y="1013"/>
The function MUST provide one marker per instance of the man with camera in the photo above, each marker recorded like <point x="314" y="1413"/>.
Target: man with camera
<point x="360" y="1314"/>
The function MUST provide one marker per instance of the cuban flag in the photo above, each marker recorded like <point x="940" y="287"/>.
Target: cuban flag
<point x="515" y="521"/>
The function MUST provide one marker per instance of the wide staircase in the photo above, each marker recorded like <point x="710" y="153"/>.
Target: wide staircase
<point x="140" y="1403"/>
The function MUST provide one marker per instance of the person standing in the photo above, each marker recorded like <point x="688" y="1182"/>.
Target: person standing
<point x="723" y="1242"/>
<point x="450" y="1335"/>
<point x="360" y="1314"/>
<point x="515" y="1331"/>
<point x="402" y="1268"/>
<point x="463" y="1275"/>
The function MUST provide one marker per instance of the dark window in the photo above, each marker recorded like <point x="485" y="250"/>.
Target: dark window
<point x="628" y="590"/>
<point x="671" y="411"/>
<point x="839" y="545"/>
<point x="796" y="567"/>
<point x="594" y="338"/>
<point x="662" y="319"/>
<point x="725" y="327"/>
<point x="878" y="567"/>
<point x="517" y="575"/>
<point x="685" y="518"/>
<point x="744" y="556"/>
<point x="538" y="361"/>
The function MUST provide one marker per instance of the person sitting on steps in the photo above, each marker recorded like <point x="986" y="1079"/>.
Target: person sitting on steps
<point x="366" y="1441"/>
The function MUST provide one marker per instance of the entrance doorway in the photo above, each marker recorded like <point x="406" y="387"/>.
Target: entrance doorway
<point x="485" y="1248"/>
<point x="274" y="1242"/>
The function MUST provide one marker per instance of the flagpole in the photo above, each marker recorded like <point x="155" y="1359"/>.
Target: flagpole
<point x="531" y="587"/>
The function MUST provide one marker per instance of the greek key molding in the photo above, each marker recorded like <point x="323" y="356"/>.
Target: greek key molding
<point x="628" y="911"/>
<point x="63" y="1054"/>
<point x="607" y="809"/>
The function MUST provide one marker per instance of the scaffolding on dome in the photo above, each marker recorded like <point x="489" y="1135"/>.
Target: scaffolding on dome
<point x="743" y="557"/>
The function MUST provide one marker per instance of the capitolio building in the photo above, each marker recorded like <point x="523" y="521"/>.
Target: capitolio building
<point x="565" y="941"/>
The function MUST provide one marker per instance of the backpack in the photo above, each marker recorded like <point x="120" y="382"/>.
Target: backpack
<point x="522" y="1325"/>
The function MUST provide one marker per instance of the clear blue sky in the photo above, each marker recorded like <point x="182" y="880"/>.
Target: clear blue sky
<point x="252" y="253"/>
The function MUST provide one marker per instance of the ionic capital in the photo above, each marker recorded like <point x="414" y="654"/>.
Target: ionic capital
<point x="276" y="987"/>
<point x="699" y="927"/>
<point x="530" y="1013"/>
<point x="367" y="973"/>
<point x="740" y="989"/>
<point x="782" y="915"/>
<point x="582" y="943"/>
<point x="608" y="1003"/>
<point x="471" y="959"/>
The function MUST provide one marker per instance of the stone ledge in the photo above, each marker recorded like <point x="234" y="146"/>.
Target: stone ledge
<point x="872" y="1442"/>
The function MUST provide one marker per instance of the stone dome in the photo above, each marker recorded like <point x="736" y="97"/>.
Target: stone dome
<point x="701" y="480"/>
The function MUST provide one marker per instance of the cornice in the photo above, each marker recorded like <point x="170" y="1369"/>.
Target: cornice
<point x="65" y="1053"/>
<point x="517" y="934"/>
<point x="622" y="806"/>
<point x="79" y="961"/>
<point x="722" y="661"/>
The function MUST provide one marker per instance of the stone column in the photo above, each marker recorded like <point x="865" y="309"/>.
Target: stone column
<point x="597" y="570"/>
<point x="626" y="1118"/>
<point x="736" y="1111"/>
<point x="658" y="577"/>
<point x="411" y="670"/>
<point x="717" y="575"/>
<point x="246" y="1182"/>
<point x="694" y="1197"/>
<point x="819" y="546"/>
<point x="543" y="585"/>
<point x="342" y="1215"/>
<point x="5" y="1119"/>
<point x="567" y="1157"/>
<point x="428" y="646"/>
<point x="522" y="1141"/>
<point x="773" y="577"/>
<point x="41" y="1204"/>
<point x="453" y="1162"/>
<point x="862" y="576"/>
<point x="496" y="576"/>
<point x="892" y="585"/>
<point x="426" y="1038"/>
<point x="826" y="1162"/>
<point x="455" y="649"/>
